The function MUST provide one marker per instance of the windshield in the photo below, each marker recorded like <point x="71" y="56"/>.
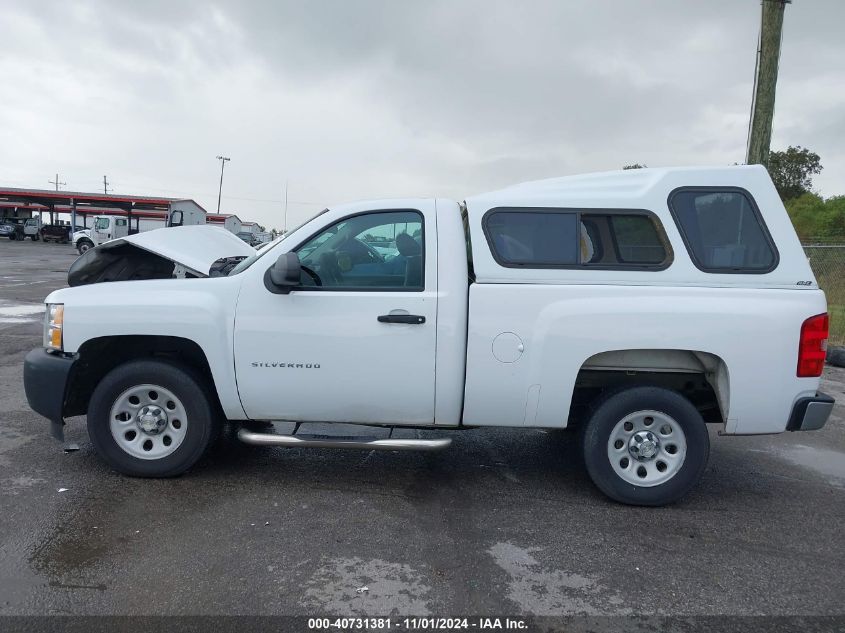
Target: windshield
<point x="101" y="223"/>
<point x="249" y="261"/>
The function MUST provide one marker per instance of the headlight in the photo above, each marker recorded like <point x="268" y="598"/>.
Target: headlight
<point x="53" y="321"/>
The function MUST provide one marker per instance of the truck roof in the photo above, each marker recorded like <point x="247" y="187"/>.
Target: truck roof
<point x="622" y="185"/>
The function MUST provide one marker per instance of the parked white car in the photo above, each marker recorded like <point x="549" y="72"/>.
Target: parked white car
<point x="638" y="306"/>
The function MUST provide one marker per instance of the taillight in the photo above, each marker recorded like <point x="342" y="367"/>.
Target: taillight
<point x="812" y="348"/>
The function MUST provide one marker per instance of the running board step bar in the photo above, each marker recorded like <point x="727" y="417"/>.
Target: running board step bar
<point x="339" y="441"/>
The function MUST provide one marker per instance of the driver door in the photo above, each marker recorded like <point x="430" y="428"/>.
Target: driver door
<point x="356" y="341"/>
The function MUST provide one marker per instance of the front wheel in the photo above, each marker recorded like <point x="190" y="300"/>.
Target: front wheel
<point x="83" y="246"/>
<point x="12" y="236"/>
<point x="646" y="446"/>
<point x="34" y="237"/>
<point x="151" y="419"/>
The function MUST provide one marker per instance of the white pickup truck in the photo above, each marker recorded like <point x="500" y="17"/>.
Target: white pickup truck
<point x="638" y="307"/>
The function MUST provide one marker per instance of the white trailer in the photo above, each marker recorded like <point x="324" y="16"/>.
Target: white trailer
<point x="110" y="227"/>
<point x="186" y="213"/>
<point x="232" y="224"/>
<point x="250" y="227"/>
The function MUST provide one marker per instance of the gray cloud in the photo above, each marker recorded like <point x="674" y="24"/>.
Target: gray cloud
<point x="346" y="100"/>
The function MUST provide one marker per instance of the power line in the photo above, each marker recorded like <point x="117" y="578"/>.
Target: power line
<point x="754" y="89"/>
<point x="106" y="186"/>
<point x="130" y="188"/>
<point x="228" y="197"/>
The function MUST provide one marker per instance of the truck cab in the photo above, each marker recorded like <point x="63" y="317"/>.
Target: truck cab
<point x="32" y="228"/>
<point x="640" y="308"/>
<point x="103" y="229"/>
<point x="109" y="227"/>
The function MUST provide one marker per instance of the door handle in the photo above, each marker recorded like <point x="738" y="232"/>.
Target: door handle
<point x="410" y="319"/>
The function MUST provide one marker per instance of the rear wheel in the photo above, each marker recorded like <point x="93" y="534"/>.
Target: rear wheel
<point x="151" y="419"/>
<point x="645" y="446"/>
<point x="13" y="236"/>
<point x="34" y="237"/>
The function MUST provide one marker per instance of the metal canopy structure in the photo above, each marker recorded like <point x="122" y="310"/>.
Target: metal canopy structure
<point x="83" y="204"/>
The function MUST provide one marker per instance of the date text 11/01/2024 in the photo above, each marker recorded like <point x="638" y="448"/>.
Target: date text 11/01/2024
<point x="417" y="623"/>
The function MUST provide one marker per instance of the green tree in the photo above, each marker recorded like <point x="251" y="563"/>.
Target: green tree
<point x="792" y="171"/>
<point x="805" y="212"/>
<point x="635" y="166"/>
<point x="815" y="219"/>
<point x="834" y="209"/>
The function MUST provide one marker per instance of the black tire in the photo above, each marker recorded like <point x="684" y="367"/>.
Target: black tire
<point x="202" y="420"/>
<point x="611" y="410"/>
<point x="12" y="237"/>
<point x="83" y="246"/>
<point x="34" y="237"/>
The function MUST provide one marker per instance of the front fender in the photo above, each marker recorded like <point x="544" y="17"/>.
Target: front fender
<point x="199" y="310"/>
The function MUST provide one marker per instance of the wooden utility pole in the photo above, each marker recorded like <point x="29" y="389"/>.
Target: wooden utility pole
<point x="285" y="222"/>
<point x="765" y="82"/>
<point x="57" y="182"/>
<point x="222" y="160"/>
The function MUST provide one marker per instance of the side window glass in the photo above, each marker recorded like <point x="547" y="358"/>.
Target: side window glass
<point x="637" y="240"/>
<point x="723" y="231"/>
<point x="372" y="251"/>
<point x="621" y="240"/>
<point x="566" y="238"/>
<point x="533" y="238"/>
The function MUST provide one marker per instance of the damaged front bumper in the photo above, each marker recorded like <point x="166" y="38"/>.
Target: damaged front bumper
<point x="45" y="378"/>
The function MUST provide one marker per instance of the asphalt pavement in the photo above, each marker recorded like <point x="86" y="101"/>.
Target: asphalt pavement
<point x="503" y="522"/>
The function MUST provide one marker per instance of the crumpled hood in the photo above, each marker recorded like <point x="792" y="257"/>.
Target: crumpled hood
<point x="155" y="254"/>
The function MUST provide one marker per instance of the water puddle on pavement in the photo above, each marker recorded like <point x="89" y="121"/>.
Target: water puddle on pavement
<point x="824" y="461"/>
<point x="20" y="312"/>
<point x="543" y="590"/>
<point x="353" y="585"/>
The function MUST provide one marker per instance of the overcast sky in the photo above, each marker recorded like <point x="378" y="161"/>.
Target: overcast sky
<point x="356" y="99"/>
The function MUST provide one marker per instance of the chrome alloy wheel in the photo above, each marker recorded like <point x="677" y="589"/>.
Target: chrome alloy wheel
<point x="647" y="448"/>
<point x="148" y="422"/>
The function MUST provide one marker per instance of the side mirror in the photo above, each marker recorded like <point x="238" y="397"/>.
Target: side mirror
<point x="284" y="275"/>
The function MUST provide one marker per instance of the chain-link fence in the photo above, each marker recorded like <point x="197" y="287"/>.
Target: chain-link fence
<point x="828" y="264"/>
